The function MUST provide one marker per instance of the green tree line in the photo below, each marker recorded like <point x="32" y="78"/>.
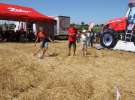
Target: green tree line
<point x="80" y="27"/>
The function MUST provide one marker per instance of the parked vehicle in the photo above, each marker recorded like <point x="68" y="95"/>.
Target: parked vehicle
<point x="62" y="23"/>
<point x="119" y="29"/>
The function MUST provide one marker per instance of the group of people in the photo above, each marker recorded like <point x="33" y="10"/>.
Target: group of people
<point x="86" y="39"/>
<point x="16" y="36"/>
<point x="85" y="36"/>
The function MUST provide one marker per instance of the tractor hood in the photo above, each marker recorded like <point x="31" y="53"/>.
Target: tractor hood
<point x="117" y="24"/>
<point x="116" y="20"/>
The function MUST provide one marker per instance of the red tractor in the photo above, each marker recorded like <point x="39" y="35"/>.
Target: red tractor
<point x="119" y="29"/>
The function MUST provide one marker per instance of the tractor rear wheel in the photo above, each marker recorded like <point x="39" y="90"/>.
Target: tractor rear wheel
<point x="108" y="39"/>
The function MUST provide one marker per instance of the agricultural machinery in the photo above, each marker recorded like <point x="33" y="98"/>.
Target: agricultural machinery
<point x="119" y="29"/>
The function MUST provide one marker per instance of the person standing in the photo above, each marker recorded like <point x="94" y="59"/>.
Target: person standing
<point x="90" y="30"/>
<point x="72" y="34"/>
<point x="83" y="39"/>
<point x="44" y="39"/>
<point x="88" y="36"/>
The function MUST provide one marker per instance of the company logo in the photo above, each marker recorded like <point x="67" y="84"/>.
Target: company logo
<point x="18" y="10"/>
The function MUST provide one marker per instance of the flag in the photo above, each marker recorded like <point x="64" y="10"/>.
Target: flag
<point x="131" y="1"/>
<point x="118" y="95"/>
<point x="91" y="25"/>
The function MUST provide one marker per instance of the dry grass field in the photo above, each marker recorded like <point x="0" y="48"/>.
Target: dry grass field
<point x="59" y="77"/>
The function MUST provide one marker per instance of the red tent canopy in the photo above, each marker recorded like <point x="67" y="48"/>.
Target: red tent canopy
<point x="20" y="13"/>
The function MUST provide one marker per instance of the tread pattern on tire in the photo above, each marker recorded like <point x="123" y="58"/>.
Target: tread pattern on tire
<point x="114" y="39"/>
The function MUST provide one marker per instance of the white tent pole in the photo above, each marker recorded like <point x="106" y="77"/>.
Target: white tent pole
<point x="34" y="28"/>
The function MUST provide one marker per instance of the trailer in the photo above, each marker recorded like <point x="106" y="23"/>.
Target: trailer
<point x="60" y="29"/>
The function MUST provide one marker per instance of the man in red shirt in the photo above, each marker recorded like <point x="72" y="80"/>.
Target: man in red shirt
<point x="72" y="32"/>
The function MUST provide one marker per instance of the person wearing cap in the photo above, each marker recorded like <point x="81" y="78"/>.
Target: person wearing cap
<point x="83" y="41"/>
<point x="72" y="34"/>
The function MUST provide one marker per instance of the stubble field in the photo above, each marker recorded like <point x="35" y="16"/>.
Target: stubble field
<point x="59" y="77"/>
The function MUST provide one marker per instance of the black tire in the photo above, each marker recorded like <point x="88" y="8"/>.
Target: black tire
<point x="134" y="40"/>
<point x="109" y="39"/>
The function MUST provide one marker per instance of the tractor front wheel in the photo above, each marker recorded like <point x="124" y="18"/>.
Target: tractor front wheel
<point x="108" y="39"/>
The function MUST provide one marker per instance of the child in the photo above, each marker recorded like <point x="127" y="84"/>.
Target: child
<point x="83" y="39"/>
<point x="44" y="39"/>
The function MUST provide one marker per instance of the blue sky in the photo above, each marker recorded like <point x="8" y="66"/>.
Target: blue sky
<point x="98" y="11"/>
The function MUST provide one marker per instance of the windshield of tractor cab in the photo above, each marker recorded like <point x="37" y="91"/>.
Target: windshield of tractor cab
<point x="127" y="12"/>
<point x="132" y="13"/>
